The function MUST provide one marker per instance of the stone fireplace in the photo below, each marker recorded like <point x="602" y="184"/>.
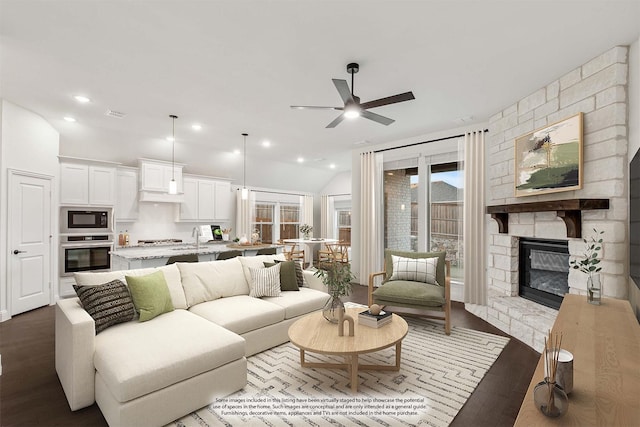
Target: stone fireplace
<point x="598" y="90"/>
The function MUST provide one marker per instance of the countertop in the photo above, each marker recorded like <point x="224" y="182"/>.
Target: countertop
<point x="165" y="251"/>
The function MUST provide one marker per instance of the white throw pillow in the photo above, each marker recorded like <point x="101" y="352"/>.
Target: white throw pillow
<point x="257" y="262"/>
<point x="207" y="281"/>
<point x="416" y="270"/>
<point x="265" y="282"/>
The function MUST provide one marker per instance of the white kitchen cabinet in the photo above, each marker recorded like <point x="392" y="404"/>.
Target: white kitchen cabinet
<point x="74" y="183"/>
<point x="154" y="181"/>
<point x="82" y="183"/>
<point x="189" y="207"/>
<point x="222" y="203"/>
<point x="127" y="194"/>
<point x="102" y="185"/>
<point x="205" y="200"/>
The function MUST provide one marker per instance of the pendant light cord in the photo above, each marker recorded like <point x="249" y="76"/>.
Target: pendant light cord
<point x="173" y="148"/>
<point x="244" y="161"/>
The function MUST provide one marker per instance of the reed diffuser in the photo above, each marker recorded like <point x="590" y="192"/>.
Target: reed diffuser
<point x="548" y="396"/>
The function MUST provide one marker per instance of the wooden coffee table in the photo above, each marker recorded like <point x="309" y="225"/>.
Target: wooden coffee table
<point x="315" y="334"/>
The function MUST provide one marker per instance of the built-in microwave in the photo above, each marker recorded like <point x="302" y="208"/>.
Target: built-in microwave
<point x="84" y="220"/>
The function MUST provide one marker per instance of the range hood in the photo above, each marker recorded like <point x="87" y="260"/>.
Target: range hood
<point x="160" y="197"/>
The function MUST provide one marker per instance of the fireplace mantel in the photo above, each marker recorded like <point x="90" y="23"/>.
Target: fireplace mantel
<point x="569" y="210"/>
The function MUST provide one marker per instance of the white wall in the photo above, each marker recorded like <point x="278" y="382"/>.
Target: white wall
<point x="27" y="143"/>
<point x="634" y="139"/>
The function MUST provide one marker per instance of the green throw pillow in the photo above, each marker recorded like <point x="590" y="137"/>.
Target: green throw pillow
<point x="150" y="295"/>
<point x="288" y="278"/>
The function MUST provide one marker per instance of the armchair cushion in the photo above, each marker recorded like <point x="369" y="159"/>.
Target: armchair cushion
<point x="440" y="268"/>
<point x="417" y="270"/>
<point x="409" y="293"/>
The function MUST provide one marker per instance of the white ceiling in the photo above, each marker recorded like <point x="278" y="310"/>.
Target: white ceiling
<point x="237" y="66"/>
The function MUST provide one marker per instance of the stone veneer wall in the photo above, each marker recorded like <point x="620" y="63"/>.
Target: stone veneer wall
<point x="599" y="90"/>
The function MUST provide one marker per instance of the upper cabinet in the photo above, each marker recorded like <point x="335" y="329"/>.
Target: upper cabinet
<point x="205" y="200"/>
<point x="154" y="181"/>
<point x="85" y="182"/>
<point x="127" y="194"/>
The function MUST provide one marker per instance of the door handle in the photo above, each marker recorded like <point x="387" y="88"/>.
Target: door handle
<point x="16" y="252"/>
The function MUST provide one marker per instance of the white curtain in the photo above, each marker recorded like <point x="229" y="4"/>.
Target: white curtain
<point x="475" y="286"/>
<point x="371" y="220"/>
<point x="307" y="213"/>
<point x="243" y="214"/>
<point x="327" y="225"/>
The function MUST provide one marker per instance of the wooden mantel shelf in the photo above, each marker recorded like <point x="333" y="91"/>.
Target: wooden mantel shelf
<point x="569" y="210"/>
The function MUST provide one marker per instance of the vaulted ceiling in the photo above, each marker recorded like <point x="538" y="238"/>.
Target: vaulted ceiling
<point x="237" y="66"/>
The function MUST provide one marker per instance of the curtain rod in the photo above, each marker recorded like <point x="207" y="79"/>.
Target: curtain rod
<point x="424" y="142"/>
<point x="278" y="192"/>
<point x="334" y="195"/>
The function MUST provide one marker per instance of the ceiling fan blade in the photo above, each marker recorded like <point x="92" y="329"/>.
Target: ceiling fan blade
<point x="336" y="122"/>
<point x="343" y="90"/>
<point x="401" y="97"/>
<point x="313" y="107"/>
<point x="376" y="117"/>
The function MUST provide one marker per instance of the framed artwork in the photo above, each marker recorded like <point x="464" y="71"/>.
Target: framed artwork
<point x="549" y="159"/>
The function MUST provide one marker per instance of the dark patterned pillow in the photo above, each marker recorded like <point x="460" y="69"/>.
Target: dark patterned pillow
<point x="108" y="304"/>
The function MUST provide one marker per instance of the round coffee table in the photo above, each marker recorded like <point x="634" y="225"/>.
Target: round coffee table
<point x="315" y="334"/>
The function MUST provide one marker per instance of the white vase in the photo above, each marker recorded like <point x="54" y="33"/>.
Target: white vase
<point x="594" y="289"/>
<point x="225" y="237"/>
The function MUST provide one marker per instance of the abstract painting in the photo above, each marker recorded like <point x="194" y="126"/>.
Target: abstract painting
<point x="550" y="159"/>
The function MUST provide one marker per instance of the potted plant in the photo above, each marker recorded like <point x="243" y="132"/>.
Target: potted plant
<point x="337" y="277"/>
<point x="590" y="266"/>
<point x="306" y="230"/>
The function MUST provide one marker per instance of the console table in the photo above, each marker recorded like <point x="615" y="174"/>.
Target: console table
<point x="605" y="342"/>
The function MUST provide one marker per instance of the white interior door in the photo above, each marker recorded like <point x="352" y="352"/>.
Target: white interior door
<point x="29" y="248"/>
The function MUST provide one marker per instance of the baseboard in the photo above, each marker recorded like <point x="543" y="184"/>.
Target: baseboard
<point x="4" y="315"/>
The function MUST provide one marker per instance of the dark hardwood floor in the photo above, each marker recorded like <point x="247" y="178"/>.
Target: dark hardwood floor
<point x="31" y="395"/>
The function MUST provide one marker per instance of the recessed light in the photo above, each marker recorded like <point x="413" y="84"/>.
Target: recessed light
<point x="196" y="126"/>
<point x="82" y="99"/>
<point x="236" y="151"/>
<point x="332" y="165"/>
<point x="70" y="119"/>
<point x="300" y="159"/>
<point x="170" y="138"/>
<point x="266" y="143"/>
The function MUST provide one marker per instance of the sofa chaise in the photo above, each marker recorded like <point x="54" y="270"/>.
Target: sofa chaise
<point x="153" y="372"/>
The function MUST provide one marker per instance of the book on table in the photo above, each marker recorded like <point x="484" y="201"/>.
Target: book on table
<point x="374" y="320"/>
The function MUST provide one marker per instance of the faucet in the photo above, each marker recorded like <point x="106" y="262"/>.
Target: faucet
<point x="197" y="232"/>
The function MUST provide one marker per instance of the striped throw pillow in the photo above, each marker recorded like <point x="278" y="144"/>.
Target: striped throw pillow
<point x="108" y="304"/>
<point x="416" y="270"/>
<point x="265" y="282"/>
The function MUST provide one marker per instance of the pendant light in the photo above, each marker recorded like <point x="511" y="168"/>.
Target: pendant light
<point x="173" y="185"/>
<point x="245" y="192"/>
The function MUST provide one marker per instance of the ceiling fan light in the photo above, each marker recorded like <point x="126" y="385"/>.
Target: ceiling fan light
<point x="351" y="112"/>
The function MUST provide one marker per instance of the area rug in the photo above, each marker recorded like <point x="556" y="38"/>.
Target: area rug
<point x="438" y="373"/>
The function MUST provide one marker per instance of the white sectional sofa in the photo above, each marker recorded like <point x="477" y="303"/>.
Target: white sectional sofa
<point x="153" y="372"/>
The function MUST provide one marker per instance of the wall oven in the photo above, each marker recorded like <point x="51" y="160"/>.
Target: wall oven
<point x="84" y="220"/>
<point x="85" y="253"/>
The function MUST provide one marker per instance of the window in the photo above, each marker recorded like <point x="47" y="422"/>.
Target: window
<point x="423" y="209"/>
<point x="289" y="221"/>
<point x="344" y="225"/>
<point x="263" y="221"/>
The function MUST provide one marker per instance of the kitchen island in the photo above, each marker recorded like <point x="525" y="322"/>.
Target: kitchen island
<point x="144" y="256"/>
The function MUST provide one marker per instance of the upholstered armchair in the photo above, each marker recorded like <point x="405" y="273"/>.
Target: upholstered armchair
<point x="420" y="281"/>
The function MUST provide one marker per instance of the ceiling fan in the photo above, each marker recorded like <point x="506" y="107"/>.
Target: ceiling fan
<point x="352" y="106"/>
